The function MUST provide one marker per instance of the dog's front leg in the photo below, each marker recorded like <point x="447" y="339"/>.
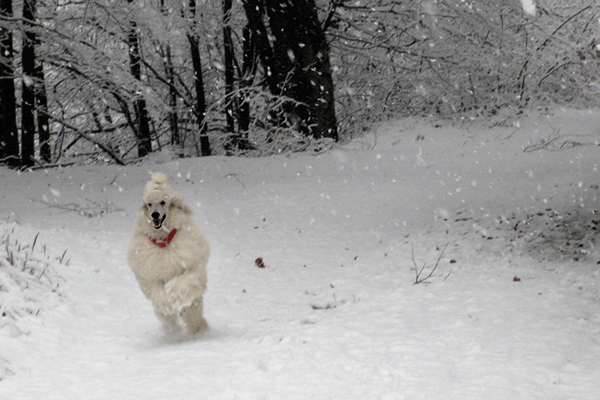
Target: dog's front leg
<point x="185" y="288"/>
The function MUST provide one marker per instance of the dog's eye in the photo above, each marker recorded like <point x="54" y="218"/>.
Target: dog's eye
<point x="162" y="203"/>
<point x="149" y="204"/>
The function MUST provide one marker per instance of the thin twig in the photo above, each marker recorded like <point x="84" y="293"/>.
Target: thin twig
<point x="418" y="272"/>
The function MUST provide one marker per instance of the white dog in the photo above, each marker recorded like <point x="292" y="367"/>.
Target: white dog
<point x="168" y="254"/>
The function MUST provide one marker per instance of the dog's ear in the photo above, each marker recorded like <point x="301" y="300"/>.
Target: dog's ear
<point x="177" y="201"/>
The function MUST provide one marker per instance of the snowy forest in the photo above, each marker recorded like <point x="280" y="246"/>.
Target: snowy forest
<point x="401" y="198"/>
<point x="112" y="81"/>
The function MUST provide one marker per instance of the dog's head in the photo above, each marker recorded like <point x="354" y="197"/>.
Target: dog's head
<point x="159" y="198"/>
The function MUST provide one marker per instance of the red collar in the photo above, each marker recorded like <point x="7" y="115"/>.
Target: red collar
<point x="163" y="243"/>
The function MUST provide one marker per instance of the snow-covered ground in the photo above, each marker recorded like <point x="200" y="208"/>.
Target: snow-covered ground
<point x="511" y="311"/>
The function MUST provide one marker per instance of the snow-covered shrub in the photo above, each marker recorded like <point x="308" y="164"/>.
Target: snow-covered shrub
<point x="29" y="283"/>
<point x="28" y="276"/>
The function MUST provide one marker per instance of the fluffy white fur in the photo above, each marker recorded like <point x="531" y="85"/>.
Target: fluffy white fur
<point x="173" y="276"/>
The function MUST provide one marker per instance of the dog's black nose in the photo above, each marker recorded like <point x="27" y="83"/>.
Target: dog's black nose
<point x="155" y="215"/>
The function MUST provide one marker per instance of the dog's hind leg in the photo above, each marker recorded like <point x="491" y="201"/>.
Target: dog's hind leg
<point x="192" y="317"/>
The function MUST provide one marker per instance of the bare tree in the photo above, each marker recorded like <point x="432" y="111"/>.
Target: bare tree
<point x="200" y="101"/>
<point x="41" y="106"/>
<point x="173" y="116"/>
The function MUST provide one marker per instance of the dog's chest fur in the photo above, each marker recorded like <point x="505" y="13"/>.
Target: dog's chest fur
<point x="159" y="264"/>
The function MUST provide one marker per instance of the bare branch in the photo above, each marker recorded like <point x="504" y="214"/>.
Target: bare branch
<point x="419" y="272"/>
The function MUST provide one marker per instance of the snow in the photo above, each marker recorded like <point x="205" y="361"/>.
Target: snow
<point x="511" y="311"/>
<point x="529" y="7"/>
<point x="28" y="81"/>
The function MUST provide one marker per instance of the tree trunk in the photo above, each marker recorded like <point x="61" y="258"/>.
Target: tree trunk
<point x="43" y="121"/>
<point x="229" y="67"/>
<point x="248" y="70"/>
<point x="301" y="65"/>
<point x="173" y="116"/>
<point x="170" y="74"/>
<point x="28" y="86"/>
<point x="9" y="137"/>
<point x="200" y="105"/>
<point x="254" y="10"/>
<point x="142" y="133"/>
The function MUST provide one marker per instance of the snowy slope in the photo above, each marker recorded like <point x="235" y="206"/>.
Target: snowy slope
<point x="510" y="312"/>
